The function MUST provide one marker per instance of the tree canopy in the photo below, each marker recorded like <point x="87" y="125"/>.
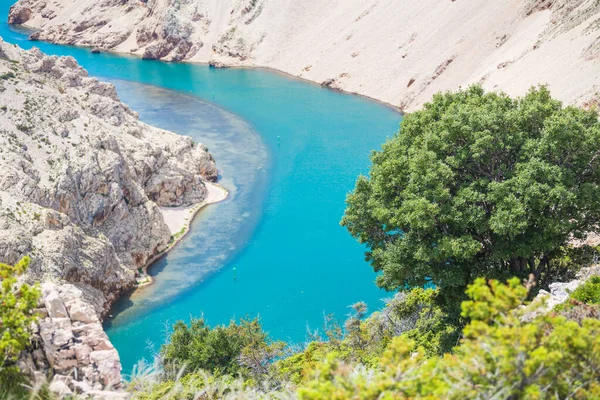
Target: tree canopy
<point x="478" y="184"/>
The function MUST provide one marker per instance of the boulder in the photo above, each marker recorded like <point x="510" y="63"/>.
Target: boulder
<point x="82" y="312"/>
<point x="55" y="306"/>
<point x="19" y="14"/>
<point x="60" y="388"/>
<point x="109" y="366"/>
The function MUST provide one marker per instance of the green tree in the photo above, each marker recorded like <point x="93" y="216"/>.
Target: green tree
<point x="234" y="349"/>
<point x="17" y="302"/>
<point x="478" y="184"/>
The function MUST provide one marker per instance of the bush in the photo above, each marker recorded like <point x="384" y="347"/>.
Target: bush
<point x="500" y="356"/>
<point x="589" y="292"/>
<point x="7" y="75"/>
<point x="16" y="316"/>
<point x="234" y="349"/>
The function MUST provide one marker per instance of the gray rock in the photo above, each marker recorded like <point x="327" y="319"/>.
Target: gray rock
<point x="561" y="291"/>
<point x="55" y="306"/>
<point x="80" y="191"/>
<point x="60" y="388"/>
<point x="109" y="366"/>
<point x="19" y="14"/>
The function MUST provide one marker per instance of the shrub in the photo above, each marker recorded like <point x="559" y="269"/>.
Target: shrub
<point x="234" y="349"/>
<point x="7" y="75"/>
<point x="500" y="356"/>
<point x="16" y="316"/>
<point x="589" y="292"/>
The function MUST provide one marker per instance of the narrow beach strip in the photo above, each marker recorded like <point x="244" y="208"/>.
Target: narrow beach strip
<point x="179" y="221"/>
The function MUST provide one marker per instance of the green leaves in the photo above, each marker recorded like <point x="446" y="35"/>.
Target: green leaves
<point x="478" y="184"/>
<point x="234" y="349"/>
<point x="499" y="357"/>
<point x="17" y="302"/>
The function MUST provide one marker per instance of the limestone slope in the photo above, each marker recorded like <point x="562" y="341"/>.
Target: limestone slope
<point x="81" y="182"/>
<point x="398" y="51"/>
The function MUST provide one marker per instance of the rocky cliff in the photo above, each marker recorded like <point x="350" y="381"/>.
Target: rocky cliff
<point x="398" y="51"/>
<point x="81" y="182"/>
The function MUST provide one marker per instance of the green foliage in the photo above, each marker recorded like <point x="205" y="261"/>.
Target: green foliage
<point x="478" y="184"/>
<point x="202" y="386"/>
<point x="7" y="75"/>
<point x="500" y="356"/>
<point x="413" y="315"/>
<point x="185" y="387"/>
<point x="234" y="349"/>
<point x="589" y="292"/>
<point x="432" y="330"/>
<point x="297" y="366"/>
<point x="416" y="315"/>
<point x="16" y="316"/>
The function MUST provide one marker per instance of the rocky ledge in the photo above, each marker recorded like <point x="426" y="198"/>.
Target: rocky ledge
<point x="70" y="342"/>
<point x="81" y="182"/>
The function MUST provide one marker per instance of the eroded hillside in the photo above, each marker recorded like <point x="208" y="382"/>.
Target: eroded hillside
<point x="400" y="52"/>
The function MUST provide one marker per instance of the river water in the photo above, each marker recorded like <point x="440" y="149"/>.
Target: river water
<point x="289" y="151"/>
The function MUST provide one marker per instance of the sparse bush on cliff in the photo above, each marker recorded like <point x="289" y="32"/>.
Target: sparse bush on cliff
<point x="479" y="184"/>
<point x="17" y="302"/>
<point x="413" y="315"/>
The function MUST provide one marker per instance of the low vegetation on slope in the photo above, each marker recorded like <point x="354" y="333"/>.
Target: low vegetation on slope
<point x="16" y="316"/>
<point x="499" y="356"/>
<point x="478" y="194"/>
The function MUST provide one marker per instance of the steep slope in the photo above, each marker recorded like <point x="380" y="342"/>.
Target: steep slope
<point x="398" y="51"/>
<point x="81" y="182"/>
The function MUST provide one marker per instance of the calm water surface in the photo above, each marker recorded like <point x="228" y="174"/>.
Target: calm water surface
<point x="280" y="226"/>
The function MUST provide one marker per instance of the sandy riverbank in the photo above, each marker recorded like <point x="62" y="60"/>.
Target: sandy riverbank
<point x="179" y="220"/>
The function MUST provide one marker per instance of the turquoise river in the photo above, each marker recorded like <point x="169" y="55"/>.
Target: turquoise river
<point x="279" y="227"/>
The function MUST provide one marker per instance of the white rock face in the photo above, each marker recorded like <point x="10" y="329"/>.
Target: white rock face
<point x="560" y="292"/>
<point x="60" y="388"/>
<point x="81" y="182"/>
<point x="73" y="347"/>
<point x="398" y="51"/>
<point x="81" y="178"/>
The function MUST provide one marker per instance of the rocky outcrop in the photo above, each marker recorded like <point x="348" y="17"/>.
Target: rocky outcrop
<point x="370" y="47"/>
<point x="70" y="342"/>
<point x="560" y="292"/>
<point x="81" y="182"/>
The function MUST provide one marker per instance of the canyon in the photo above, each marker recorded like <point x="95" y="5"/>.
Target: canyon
<point x="84" y="181"/>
